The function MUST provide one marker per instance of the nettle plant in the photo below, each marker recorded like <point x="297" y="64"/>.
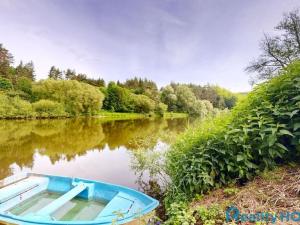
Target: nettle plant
<point x="260" y="132"/>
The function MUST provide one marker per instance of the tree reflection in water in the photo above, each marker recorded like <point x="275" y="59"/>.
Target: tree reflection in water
<point x="66" y="141"/>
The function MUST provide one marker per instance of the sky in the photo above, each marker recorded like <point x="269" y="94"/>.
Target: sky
<point x="186" y="41"/>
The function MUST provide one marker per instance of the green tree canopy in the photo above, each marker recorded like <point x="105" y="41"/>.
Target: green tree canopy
<point x="77" y="98"/>
<point x="117" y="99"/>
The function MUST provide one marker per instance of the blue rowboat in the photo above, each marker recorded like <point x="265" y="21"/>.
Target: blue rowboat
<point x="43" y="199"/>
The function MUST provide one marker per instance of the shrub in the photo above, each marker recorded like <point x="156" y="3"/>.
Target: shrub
<point x="211" y="215"/>
<point x="142" y="104"/>
<point x="160" y="108"/>
<point x="180" y="214"/>
<point x="48" y="108"/>
<point x="77" y="98"/>
<point x="14" y="107"/>
<point x="262" y="130"/>
<point x="230" y="191"/>
<point x="5" y="84"/>
<point x="6" y="108"/>
<point x="22" y="107"/>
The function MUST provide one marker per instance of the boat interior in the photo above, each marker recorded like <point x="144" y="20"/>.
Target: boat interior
<point x="48" y="198"/>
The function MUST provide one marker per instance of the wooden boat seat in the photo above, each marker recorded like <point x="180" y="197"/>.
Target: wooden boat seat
<point x="119" y="205"/>
<point x="53" y="206"/>
<point x="13" y="190"/>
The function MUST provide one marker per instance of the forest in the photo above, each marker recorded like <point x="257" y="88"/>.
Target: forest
<point x="67" y="94"/>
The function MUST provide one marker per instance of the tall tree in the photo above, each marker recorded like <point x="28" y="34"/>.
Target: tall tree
<point x="142" y="86"/>
<point x="280" y="50"/>
<point x="6" y="59"/>
<point x="70" y="74"/>
<point x="26" y="70"/>
<point x="55" y="73"/>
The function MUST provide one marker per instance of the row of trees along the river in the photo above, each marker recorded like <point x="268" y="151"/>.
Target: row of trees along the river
<point x="67" y="93"/>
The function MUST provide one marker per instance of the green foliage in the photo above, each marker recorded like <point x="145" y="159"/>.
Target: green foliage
<point x="180" y="214"/>
<point x="14" y="107"/>
<point x="169" y="98"/>
<point x="120" y="99"/>
<point x="117" y="99"/>
<point x="24" y="84"/>
<point x="71" y="75"/>
<point x="142" y="104"/>
<point x="230" y="191"/>
<point x="48" y="108"/>
<point x="134" y="95"/>
<point x="77" y="98"/>
<point x="22" y="71"/>
<point x="212" y="215"/>
<point x="263" y="130"/>
<point x="6" y="59"/>
<point x="142" y="86"/>
<point x="55" y="73"/>
<point x="160" y="108"/>
<point x="23" y="88"/>
<point x="230" y="99"/>
<point x="5" y="84"/>
<point x="180" y="98"/>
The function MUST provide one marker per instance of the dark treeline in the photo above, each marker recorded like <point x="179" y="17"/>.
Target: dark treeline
<point x="68" y="93"/>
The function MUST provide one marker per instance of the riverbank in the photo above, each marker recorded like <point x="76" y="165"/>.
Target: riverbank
<point x="275" y="192"/>
<point x="104" y="114"/>
<point x="172" y="115"/>
<point x="128" y="116"/>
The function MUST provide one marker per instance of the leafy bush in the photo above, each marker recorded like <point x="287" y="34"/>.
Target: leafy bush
<point x="230" y="191"/>
<point x="142" y="104"/>
<point x="180" y="214"/>
<point x="14" y="107"/>
<point x="77" y="98"/>
<point x="160" y="108"/>
<point x="24" y="84"/>
<point x="5" y="84"/>
<point x="211" y="215"/>
<point x="263" y="130"/>
<point x="182" y="99"/>
<point x="48" y="108"/>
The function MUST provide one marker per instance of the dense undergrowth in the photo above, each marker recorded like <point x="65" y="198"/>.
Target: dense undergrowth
<point x="260" y="132"/>
<point x="271" y="192"/>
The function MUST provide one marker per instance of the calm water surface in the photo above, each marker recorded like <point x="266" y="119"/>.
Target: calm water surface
<point x="90" y="148"/>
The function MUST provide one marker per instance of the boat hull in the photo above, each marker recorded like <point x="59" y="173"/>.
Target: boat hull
<point x="77" y="201"/>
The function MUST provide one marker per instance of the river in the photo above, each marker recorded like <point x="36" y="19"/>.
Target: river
<point x="91" y="148"/>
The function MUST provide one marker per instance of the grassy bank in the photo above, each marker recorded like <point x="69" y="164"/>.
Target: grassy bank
<point x="270" y="192"/>
<point x="168" y="115"/>
<point x="123" y="116"/>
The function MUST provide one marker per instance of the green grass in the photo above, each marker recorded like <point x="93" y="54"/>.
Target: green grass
<point x="121" y="116"/>
<point x="128" y="116"/>
<point x="175" y="115"/>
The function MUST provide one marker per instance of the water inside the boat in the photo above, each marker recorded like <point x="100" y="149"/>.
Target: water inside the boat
<point x="78" y="209"/>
